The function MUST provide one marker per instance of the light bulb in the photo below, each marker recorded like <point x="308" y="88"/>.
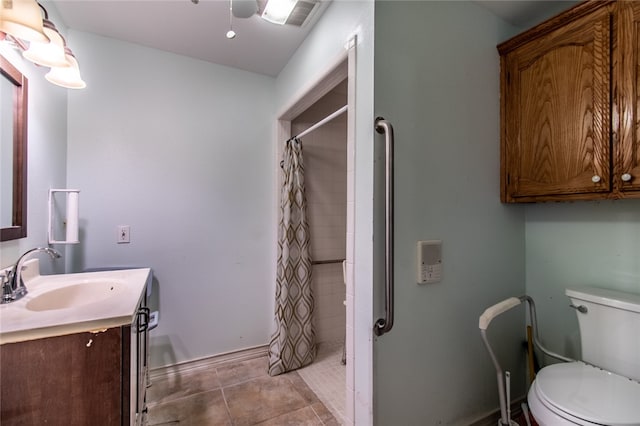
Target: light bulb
<point x="231" y="34"/>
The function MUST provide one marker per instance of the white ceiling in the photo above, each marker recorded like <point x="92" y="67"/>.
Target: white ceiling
<point x="194" y="30"/>
<point x="198" y="30"/>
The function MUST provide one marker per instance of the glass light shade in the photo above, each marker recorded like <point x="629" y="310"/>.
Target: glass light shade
<point x="68" y="77"/>
<point x="22" y="19"/>
<point x="50" y="54"/>
<point x="278" y="11"/>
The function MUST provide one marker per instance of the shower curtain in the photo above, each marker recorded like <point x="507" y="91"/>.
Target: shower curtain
<point x="293" y="343"/>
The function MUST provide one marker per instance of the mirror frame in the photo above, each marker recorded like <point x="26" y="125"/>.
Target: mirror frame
<point x="18" y="228"/>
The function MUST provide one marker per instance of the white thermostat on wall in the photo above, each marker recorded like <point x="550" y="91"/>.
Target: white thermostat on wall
<point x="429" y="261"/>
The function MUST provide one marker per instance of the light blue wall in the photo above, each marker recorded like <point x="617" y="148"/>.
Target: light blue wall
<point x="437" y="81"/>
<point x="179" y="150"/>
<point x="342" y="20"/>
<point x="46" y="153"/>
<point x="593" y="244"/>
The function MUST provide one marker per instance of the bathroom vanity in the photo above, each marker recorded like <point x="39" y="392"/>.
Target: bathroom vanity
<point x="73" y="351"/>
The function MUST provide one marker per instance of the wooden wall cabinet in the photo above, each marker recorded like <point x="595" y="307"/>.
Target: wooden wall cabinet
<point x="626" y="119"/>
<point x="569" y="121"/>
<point x="89" y="378"/>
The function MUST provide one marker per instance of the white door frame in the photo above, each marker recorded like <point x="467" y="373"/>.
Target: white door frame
<point x="343" y="67"/>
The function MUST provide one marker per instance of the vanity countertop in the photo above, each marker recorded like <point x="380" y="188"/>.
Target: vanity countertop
<point x="72" y="303"/>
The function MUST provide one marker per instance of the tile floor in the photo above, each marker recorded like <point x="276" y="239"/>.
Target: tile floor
<point x="239" y="393"/>
<point x="326" y="377"/>
<point x="242" y="393"/>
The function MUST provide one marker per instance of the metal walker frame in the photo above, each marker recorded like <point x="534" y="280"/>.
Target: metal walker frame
<point x="485" y="319"/>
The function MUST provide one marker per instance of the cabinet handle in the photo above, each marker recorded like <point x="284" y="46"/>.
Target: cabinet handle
<point x="595" y="179"/>
<point x="625" y="177"/>
<point x="143" y="325"/>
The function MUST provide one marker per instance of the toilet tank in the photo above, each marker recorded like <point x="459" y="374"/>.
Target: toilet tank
<point x="610" y="329"/>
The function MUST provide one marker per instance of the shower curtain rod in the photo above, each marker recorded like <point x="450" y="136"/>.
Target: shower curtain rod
<point x="322" y="122"/>
<point x="318" y="124"/>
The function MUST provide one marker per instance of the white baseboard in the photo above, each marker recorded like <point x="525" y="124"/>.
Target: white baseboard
<point x="208" y="362"/>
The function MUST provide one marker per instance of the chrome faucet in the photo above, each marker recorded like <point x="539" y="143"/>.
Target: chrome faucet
<point x="14" y="288"/>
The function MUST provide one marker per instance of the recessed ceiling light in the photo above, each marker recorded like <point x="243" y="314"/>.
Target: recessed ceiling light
<point x="278" y="11"/>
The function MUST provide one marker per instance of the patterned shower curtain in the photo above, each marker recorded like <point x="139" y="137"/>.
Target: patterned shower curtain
<point x="293" y="343"/>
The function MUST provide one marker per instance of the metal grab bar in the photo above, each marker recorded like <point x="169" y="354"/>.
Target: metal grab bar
<point x="326" y="262"/>
<point x="384" y="325"/>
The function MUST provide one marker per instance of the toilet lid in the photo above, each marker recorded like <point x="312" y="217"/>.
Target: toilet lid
<point x="590" y="393"/>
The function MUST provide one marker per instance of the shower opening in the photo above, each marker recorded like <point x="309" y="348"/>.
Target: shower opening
<point x="327" y="180"/>
<point x="325" y="165"/>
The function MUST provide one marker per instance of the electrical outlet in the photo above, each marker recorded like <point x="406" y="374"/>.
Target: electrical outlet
<point x="123" y="234"/>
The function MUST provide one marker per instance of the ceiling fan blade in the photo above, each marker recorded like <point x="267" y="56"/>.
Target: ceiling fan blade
<point x="244" y="8"/>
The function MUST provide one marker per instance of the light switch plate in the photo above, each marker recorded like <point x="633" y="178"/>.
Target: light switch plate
<point x="124" y="234"/>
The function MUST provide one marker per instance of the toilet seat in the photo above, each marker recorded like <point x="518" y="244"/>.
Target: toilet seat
<point x="586" y="395"/>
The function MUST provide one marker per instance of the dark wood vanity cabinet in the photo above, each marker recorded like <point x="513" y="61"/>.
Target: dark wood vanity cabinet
<point x="89" y="378"/>
<point x="569" y="106"/>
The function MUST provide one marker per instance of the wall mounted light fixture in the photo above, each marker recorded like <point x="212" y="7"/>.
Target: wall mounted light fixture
<point x="23" y="22"/>
<point x="22" y="19"/>
<point x="51" y="52"/>
<point x="67" y="76"/>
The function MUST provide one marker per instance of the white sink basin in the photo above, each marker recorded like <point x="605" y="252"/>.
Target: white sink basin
<point x="75" y="295"/>
<point x="72" y="303"/>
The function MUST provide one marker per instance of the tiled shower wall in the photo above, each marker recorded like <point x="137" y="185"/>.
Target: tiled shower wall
<point x="325" y="162"/>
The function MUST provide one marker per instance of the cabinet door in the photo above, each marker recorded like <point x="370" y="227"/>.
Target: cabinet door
<point x="67" y="380"/>
<point x="626" y="126"/>
<point x="556" y="113"/>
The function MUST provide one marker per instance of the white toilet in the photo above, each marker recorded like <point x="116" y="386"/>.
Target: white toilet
<point x="578" y="393"/>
